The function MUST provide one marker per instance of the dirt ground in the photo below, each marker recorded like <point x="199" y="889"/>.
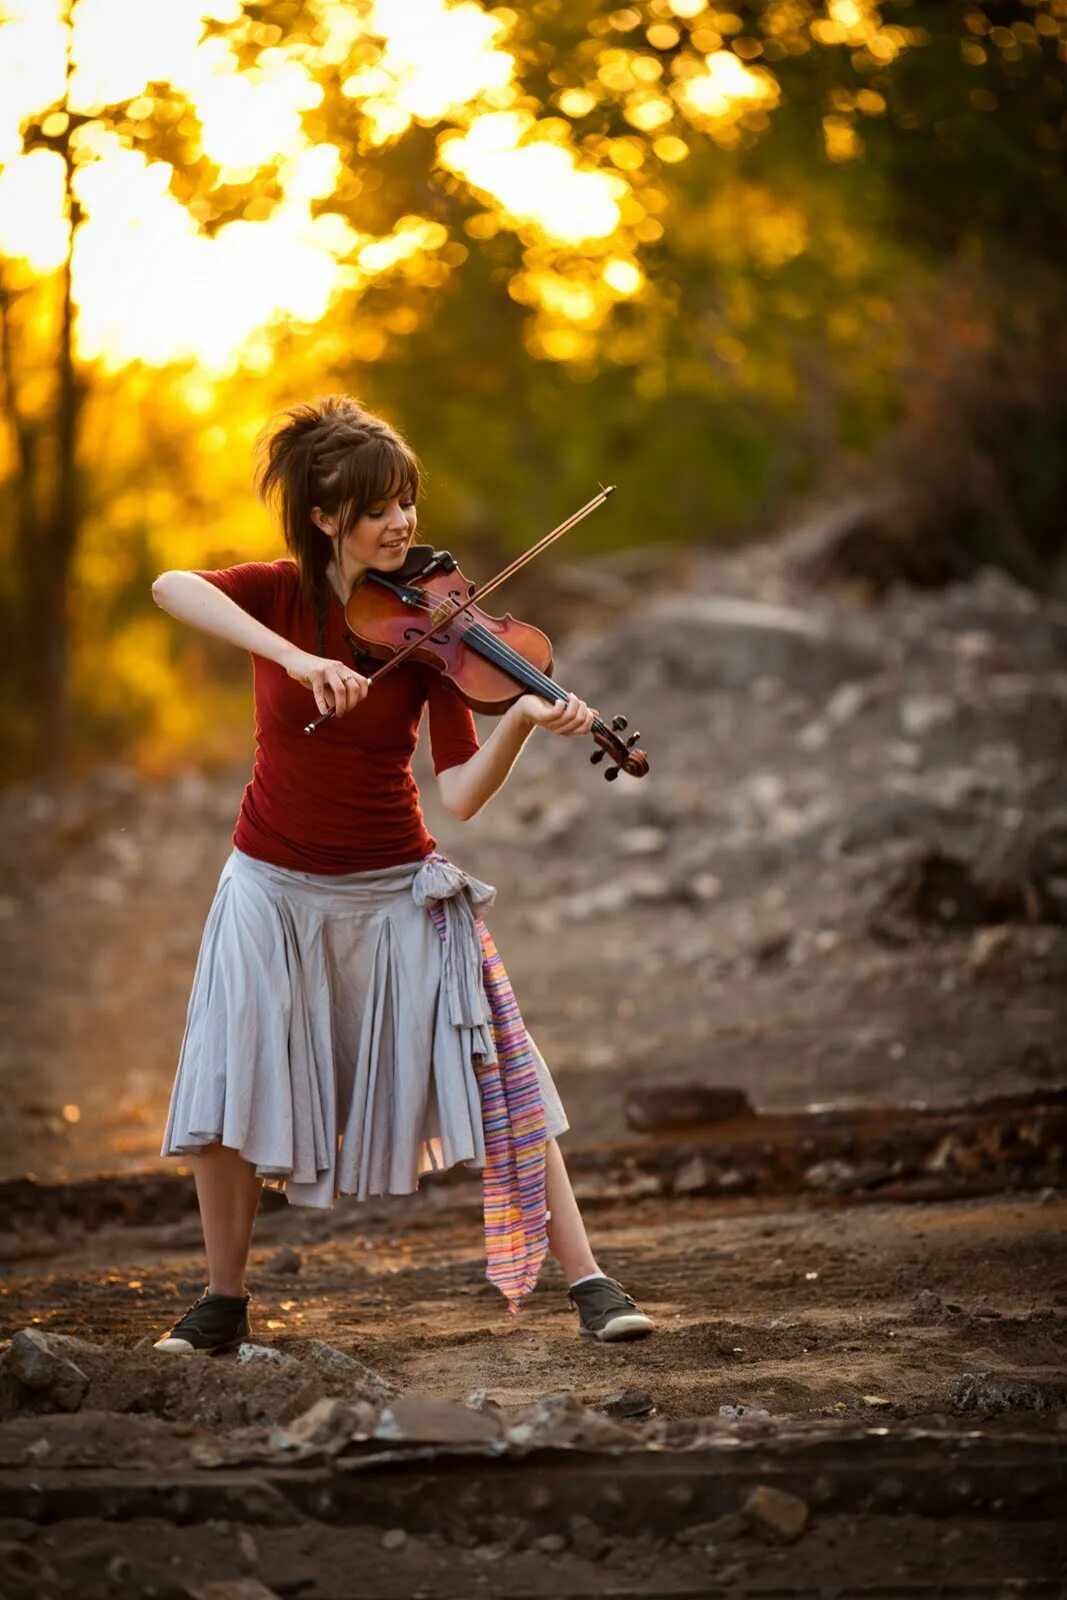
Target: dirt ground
<point x="845" y="880"/>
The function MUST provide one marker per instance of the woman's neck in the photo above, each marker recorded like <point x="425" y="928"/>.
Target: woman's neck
<point x="343" y="580"/>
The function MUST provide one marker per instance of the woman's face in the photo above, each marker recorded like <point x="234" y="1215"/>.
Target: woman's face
<point x="380" y="538"/>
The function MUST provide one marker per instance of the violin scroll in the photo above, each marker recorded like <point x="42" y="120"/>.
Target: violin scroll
<point x="626" y="757"/>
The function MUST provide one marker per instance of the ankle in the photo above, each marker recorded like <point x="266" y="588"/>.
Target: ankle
<point x="590" y="1272"/>
<point x="232" y="1288"/>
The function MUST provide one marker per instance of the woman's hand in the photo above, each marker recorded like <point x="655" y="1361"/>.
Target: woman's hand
<point x="336" y="688"/>
<point x="568" y="717"/>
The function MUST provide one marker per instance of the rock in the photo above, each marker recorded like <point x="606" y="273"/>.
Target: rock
<point x="922" y="713"/>
<point x="833" y="1175"/>
<point x="717" y="642"/>
<point x="562" y="1420"/>
<point x="327" y="1426"/>
<point x="774" y="1515"/>
<point x="750" y="1413"/>
<point x="700" y="1533"/>
<point x="248" y="1547"/>
<point x="993" y="1392"/>
<point x="481" y="1400"/>
<point x="988" y="948"/>
<point x="587" y="1538"/>
<point x="394" y="1539"/>
<point x="680" y="1105"/>
<point x="425" y="1419"/>
<point x="928" y="1303"/>
<point x="627" y="1403"/>
<point x="285" y="1261"/>
<point x="876" y="1402"/>
<point x="264" y="1355"/>
<point x="643" y="841"/>
<point x="940" y="888"/>
<point x="37" y="1360"/>
<point x="695" y="1176"/>
<point x="329" y="1360"/>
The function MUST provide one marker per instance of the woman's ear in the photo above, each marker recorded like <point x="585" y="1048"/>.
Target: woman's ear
<point x="321" y="521"/>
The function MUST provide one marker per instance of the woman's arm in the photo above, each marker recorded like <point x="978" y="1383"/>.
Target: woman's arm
<point x="466" y="788"/>
<point x="190" y="598"/>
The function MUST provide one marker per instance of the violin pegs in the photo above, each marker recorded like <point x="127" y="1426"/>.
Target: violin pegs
<point x="611" y="774"/>
<point x="618" y="724"/>
<point x="632" y="740"/>
<point x="596" y="758"/>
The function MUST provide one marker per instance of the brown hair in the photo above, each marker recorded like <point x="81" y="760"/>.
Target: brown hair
<point x="333" y="454"/>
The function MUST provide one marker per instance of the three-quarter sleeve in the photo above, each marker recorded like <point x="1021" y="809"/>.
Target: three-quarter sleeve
<point x="453" y="736"/>
<point x="253" y="585"/>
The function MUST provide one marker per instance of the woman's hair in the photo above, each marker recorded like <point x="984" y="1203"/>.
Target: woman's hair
<point x="333" y="454"/>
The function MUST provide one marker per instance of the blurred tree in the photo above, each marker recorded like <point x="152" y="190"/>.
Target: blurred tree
<point x="716" y="251"/>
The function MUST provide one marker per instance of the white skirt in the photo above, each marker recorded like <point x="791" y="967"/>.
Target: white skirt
<point x="322" y="1040"/>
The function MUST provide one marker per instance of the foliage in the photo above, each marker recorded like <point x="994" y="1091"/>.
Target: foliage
<point x="710" y="254"/>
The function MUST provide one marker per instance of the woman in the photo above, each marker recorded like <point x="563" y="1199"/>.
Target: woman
<point x="351" y="1025"/>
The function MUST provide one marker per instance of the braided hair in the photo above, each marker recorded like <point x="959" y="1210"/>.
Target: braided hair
<point x="333" y="454"/>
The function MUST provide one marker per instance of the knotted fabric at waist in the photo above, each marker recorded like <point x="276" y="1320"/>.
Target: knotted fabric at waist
<point x="435" y="880"/>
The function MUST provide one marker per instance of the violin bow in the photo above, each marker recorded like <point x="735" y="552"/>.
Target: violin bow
<point x="450" y="609"/>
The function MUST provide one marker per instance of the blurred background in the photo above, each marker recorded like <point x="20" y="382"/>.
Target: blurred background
<point x="791" y="275"/>
<point x="727" y="258"/>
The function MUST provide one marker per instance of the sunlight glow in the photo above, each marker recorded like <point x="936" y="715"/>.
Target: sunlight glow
<point x="535" y="182"/>
<point x="436" y="59"/>
<point x="728" y="88"/>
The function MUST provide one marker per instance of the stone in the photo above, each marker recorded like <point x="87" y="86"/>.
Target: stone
<point x="587" y="1538"/>
<point x="481" y="1400"/>
<point x="550" y="1543"/>
<point x="994" y="1392"/>
<point x="774" y="1515"/>
<point x="36" y="1359"/>
<point x="329" y="1360"/>
<point x="627" y="1403"/>
<point x="750" y="1413"/>
<point x="286" y="1262"/>
<point x="695" y="1176"/>
<point x="327" y="1426"/>
<point x="426" y="1419"/>
<point x="264" y="1355"/>
<point x="394" y="1539"/>
<point x="642" y="841"/>
<point x="561" y="1420"/>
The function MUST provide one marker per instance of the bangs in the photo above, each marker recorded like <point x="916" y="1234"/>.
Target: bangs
<point x="376" y="470"/>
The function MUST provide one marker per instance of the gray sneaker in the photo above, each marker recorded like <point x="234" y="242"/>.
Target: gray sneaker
<point x="606" y="1311"/>
<point x="215" y="1322"/>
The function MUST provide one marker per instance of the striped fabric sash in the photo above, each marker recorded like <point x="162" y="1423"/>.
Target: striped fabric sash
<point x="513" y="1119"/>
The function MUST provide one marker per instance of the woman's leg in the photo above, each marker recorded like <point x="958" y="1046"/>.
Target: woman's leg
<point x="567" y="1237"/>
<point x="228" y="1191"/>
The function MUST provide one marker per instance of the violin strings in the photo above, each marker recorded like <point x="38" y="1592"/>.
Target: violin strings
<point x="502" y="656"/>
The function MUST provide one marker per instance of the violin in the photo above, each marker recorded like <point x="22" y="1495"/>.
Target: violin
<point x="427" y="610"/>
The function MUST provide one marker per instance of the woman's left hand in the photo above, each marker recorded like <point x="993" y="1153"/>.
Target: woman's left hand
<point x="568" y="717"/>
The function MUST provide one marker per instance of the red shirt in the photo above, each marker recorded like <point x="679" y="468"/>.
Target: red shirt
<point x="342" y="799"/>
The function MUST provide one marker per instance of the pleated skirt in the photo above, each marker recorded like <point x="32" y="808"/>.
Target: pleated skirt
<point x="318" y="1041"/>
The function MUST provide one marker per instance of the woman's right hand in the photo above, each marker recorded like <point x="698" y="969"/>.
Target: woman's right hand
<point x="336" y="687"/>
